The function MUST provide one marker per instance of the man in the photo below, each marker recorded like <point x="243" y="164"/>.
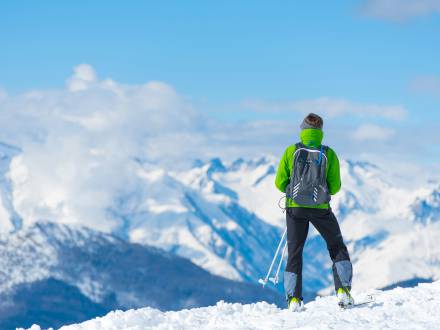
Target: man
<point x="309" y="173"/>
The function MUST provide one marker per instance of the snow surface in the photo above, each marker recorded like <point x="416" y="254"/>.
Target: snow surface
<point x="414" y="308"/>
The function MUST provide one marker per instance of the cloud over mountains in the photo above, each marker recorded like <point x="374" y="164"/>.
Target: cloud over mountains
<point x="81" y="144"/>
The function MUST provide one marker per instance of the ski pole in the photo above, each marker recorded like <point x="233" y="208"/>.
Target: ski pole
<point x="266" y="279"/>
<point x="274" y="280"/>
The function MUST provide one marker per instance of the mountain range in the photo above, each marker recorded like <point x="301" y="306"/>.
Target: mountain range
<point x="55" y="274"/>
<point x="224" y="217"/>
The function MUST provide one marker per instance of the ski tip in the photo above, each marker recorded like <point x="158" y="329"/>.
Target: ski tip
<point x="369" y="300"/>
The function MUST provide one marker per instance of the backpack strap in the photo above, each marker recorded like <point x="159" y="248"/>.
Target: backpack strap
<point x="298" y="146"/>
<point x="320" y="155"/>
<point x="323" y="150"/>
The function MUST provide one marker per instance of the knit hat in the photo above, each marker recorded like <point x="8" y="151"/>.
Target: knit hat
<point x="312" y="121"/>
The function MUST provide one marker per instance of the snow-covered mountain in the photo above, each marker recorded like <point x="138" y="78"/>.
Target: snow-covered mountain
<point x="411" y="308"/>
<point x="224" y="216"/>
<point x="388" y="225"/>
<point x="380" y="218"/>
<point x="57" y="274"/>
<point x="194" y="215"/>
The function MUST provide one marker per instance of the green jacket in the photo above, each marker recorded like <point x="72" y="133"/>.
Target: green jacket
<point x="312" y="138"/>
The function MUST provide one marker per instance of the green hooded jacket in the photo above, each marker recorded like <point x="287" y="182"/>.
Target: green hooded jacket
<point x="312" y="138"/>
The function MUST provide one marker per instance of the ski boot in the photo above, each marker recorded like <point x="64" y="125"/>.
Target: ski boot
<point x="294" y="304"/>
<point x="345" y="300"/>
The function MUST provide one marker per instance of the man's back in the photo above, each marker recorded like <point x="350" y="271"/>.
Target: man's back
<point x="310" y="137"/>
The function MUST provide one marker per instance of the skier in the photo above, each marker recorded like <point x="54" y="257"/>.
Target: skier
<point x="309" y="173"/>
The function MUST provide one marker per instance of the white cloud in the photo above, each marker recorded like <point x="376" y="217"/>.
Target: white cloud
<point x="400" y="10"/>
<point x="426" y="84"/>
<point x="83" y="77"/>
<point x="329" y="107"/>
<point x="79" y="144"/>
<point x="371" y="132"/>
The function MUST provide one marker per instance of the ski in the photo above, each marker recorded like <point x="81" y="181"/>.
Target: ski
<point x="369" y="299"/>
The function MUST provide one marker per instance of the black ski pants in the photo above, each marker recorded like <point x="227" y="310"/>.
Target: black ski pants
<point x="297" y="221"/>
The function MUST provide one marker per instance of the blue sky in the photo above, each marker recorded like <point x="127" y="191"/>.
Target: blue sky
<point x="231" y="59"/>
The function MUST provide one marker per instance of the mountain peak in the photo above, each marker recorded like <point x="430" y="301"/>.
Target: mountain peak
<point x="427" y="209"/>
<point x="216" y="165"/>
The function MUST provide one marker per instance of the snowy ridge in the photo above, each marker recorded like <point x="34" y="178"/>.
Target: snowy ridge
<point x="199" y="220"/>
<point x="92" y="273"/>
<point x="90" y="261"/>
<point x="411" y="308"/>
<point x="376" y="210"/>
<point x="224" y="217"/>
<point x="35" y="253"/>
<point x="427" y="210"/>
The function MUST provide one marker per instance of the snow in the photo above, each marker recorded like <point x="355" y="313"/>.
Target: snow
<point x="97" y="154"/>
<point x="384" y="221"/>
<point x="413" y="308"/>
<point x="224" y="217"/>
<point x="85" y="273"/>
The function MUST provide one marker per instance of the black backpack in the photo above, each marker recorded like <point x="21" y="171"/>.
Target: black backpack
<point x="308" y="180"/>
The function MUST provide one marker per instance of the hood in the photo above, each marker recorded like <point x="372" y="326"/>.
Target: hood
<point x="311" y="137"/>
